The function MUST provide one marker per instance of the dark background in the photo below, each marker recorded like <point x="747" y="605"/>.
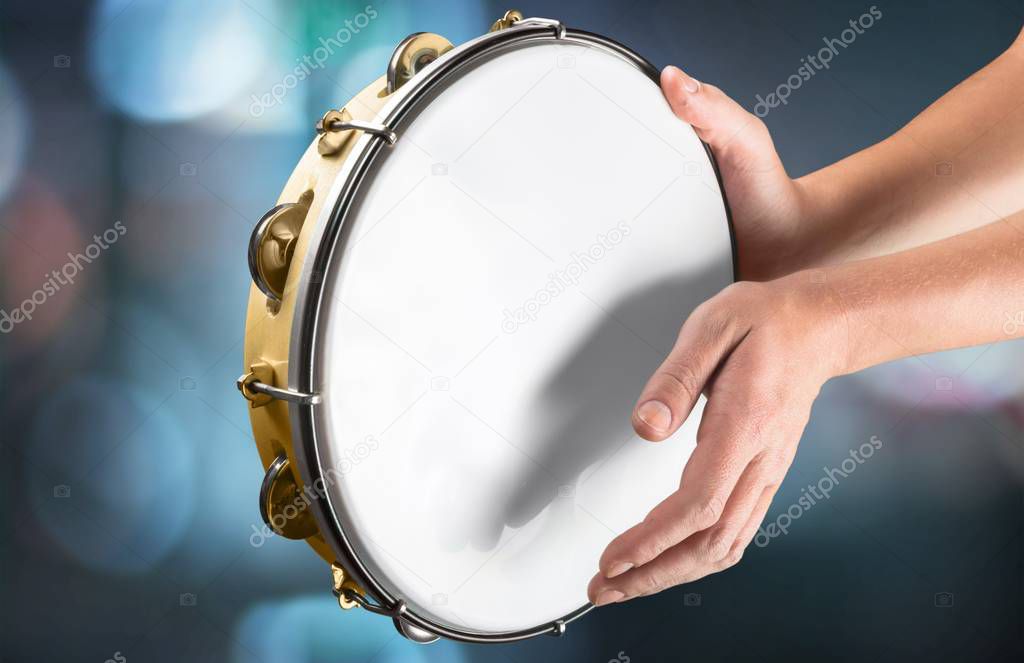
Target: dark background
<point x="129" y="476"/>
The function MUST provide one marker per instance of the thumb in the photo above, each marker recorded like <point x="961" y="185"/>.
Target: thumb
<point x="673" y="390"/>
<point x="739" y="139"/>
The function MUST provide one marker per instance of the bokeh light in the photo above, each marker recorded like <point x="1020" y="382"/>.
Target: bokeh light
<point x="172" y="61"/>
<point x="979" y="377"/>
<point x="111" y="475"/>
<point x="314" y="628"/>
<point x="39" y="233"/>
<point x="121" y="389"/>
<point x="14" y="129"/>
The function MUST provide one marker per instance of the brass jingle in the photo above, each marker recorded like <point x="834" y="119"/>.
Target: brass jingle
<point x="412" y="54"/>
<point x="283" y="506"/>
<point x="341" y="582"/>
<point x="510" y="18"/>
<point x="273" y="243"/>
<point x="332" y="140"/>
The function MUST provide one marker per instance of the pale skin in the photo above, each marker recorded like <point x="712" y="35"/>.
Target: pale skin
<point x="911" y="246"/>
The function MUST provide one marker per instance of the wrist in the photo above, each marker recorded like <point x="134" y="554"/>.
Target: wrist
<point x="818" y="320"/>
<point x="787" y="244"/>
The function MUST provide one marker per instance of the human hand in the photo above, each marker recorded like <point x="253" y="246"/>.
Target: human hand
<point x="760" y="352"/>
<point x="767" y="206"/>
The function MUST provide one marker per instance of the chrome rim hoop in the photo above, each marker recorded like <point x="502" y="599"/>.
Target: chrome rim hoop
<point x="303" y="375"/>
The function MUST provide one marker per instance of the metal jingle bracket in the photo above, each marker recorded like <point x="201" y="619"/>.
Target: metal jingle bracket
<point x="255" y="389"/>
<point x="336" y="128"/>
<point x="350" y="596"/>
<point x="554" y="24"/>
<point x="397" y="615"/>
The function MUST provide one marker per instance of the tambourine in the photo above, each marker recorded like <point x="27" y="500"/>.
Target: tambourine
<point x="464" y="285"/>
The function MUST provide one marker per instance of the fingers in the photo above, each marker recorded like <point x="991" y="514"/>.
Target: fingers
<point x="708" y="480"/>
<point x="749" y="530"/>
<point x="669" y="396"/>
<point x="733" y="133"/>
<point x="706" y="552"/>
<point x="663" y="572"/>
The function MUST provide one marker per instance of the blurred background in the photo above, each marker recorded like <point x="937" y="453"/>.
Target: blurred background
<point x="130" y="478"/>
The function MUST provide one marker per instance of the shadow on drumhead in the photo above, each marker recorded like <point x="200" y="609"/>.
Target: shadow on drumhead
<point x="583" y="410"/>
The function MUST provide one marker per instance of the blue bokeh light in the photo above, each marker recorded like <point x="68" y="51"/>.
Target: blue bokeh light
<point x="118" y="494"/>
<point x="314" y="628"/>
<point x="173" y="61"/>
<point x="14" y="129"/>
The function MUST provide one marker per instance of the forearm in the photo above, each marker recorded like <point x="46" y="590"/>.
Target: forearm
<point x="955" y="167"/>
<point x="956" y="292"/>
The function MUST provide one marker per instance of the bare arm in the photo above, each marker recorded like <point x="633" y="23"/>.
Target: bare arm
<point x="955" y="167"/>
<point x="761" y="351"/>
<point x="886" y="254"/>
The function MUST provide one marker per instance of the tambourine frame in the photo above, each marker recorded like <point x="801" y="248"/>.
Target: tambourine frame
<point x="302" y="363"/>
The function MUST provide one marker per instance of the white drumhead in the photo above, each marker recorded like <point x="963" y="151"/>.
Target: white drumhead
<point x="516" y="266"/>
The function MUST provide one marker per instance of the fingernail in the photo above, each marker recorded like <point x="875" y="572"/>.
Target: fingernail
<point x="608" y="596"/>
<point x="655" y="414"/>
<point x="690" y="84"/>
<point x="618" y="569"/>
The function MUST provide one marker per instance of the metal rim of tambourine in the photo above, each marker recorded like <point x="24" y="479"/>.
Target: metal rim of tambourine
<point x="302" y="366"/>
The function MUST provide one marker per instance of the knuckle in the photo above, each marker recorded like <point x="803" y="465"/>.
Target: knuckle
<point x="715" y="313"/>
<point x="733" y="556"/>
<point x="769" y="460"/>
<point x="679" y="376"/>
<point x="651" y="580"/>
<point x="719" y="544"/>
<point x="757" y="125"/>
<point x="741" y="293"/>
<point x="709" y="511"/>
<point x="651" y="546"/>
<point x="648" y="550"/>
